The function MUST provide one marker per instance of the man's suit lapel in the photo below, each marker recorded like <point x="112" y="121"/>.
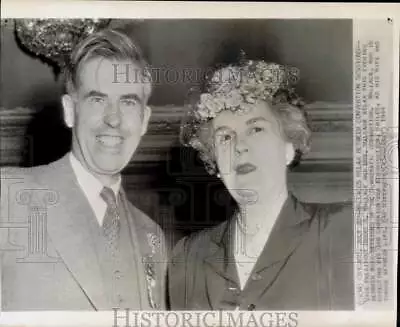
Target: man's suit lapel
<point x="70" y="231"/>
<point x="140" y="250"/>
<point x="147" y="247"/>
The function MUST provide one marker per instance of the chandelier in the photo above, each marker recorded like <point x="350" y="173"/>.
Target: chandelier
<point x="52" y="40"/>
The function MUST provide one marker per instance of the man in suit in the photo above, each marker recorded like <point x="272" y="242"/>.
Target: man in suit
<point x="71" y="240"/>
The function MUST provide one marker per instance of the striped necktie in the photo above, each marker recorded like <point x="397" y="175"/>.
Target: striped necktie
<point x="111" y="223"/>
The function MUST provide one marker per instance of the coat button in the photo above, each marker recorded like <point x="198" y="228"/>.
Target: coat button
<point x="256" y="277"/>
<point x="251" y="307"/>
<point x="117" y="274"/>
<point x="120" y="300"/>
<point x="234" y="290"/>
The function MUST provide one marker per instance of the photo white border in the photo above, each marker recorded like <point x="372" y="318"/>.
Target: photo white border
<point x="182" y="9"/>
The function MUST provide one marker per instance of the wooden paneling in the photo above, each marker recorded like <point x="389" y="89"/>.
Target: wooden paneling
<point x="325" y="174"/>
<point x="169" y="183"/>
<point x="329" y="160"/>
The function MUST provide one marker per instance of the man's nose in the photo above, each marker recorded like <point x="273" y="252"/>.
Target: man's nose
<point x="112" y="116"/>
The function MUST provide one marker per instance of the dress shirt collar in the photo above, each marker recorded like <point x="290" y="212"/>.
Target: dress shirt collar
<point x="92" y="187"/>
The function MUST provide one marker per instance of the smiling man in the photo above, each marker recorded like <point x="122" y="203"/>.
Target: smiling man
<point x="97" y="251"/>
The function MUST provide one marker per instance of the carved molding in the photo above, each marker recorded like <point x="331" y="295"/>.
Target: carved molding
<point x="331" y="149"/>
<point x="331" y="124"/>
<point x="325" y="173"/>
<point x="331" y="140"/>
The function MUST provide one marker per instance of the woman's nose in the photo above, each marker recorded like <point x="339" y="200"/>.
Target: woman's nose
<point x="241" y="147"/>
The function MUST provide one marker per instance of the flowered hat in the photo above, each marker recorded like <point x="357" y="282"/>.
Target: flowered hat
<point x="237" y="88"/>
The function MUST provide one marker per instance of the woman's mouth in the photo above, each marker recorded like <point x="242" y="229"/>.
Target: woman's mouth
<point x="245" y="168"/>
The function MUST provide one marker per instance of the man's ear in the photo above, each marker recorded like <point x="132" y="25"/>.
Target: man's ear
<point x="146" y="118"/>
<point x="69" y="110"/>
<point x="290" y="152"/>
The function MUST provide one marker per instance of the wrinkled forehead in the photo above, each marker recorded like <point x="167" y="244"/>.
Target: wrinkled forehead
<point x="111" y="76"/>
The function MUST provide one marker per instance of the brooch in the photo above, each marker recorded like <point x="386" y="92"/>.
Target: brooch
<point x="154" y="243"/>
<point x="150" y="280"/>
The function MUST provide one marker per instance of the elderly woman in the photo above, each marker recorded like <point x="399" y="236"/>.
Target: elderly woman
<point x="275" y="252"/>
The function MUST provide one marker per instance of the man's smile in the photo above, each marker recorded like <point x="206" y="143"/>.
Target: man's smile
<point x="108" y="140"/>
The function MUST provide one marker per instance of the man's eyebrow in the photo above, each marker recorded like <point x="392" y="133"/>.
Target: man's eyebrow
<point x="94" y="93"/>
<point x="255" y="120"/>
<point x="131" y="96"/>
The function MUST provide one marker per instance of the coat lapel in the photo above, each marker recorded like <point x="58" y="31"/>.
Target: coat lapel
<point x="283" y="241"/>
<point x="144" y="259"/>
<point x="70" y="231"/>
<point x="137" y="248"/>
<point x="220" y="266"/>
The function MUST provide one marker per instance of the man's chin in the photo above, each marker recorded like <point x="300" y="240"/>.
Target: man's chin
<point x="110" y="170"/>
<point x="108" y="165"/>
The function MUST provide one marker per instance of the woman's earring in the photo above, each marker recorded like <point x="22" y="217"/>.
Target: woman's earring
<point x="219" y="175"/>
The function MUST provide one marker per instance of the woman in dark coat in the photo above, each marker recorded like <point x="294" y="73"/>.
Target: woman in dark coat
<point x="275" y="253"/>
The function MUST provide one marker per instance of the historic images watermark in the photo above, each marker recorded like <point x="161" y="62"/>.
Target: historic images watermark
<point x="130" y="73"/>
<point x="35" y="203"/>
<point x="128" y="318"/>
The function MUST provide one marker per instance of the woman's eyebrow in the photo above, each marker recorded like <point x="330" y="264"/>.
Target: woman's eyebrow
<point x="255" y="120"/>
<point x="221" y="128"/>
<point x="248" y="122"/>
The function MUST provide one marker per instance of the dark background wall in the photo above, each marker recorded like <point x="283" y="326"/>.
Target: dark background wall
<point x="321" y="49"/>
<point x="160" y="179"/>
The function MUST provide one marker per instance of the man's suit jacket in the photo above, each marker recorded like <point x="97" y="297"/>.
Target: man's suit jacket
<point x="306" y="264"/>
<point x="49" y="262"/>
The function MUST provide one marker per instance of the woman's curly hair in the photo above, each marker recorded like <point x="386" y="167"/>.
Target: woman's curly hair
<point x="237" y="87"/>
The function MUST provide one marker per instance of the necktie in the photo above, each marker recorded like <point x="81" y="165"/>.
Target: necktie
<point x="111" y="223"/>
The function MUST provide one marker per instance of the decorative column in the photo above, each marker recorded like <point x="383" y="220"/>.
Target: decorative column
<point x="38" y="201"/>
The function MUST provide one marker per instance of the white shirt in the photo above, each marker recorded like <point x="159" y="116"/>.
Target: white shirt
<point x="92" y="188"/>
